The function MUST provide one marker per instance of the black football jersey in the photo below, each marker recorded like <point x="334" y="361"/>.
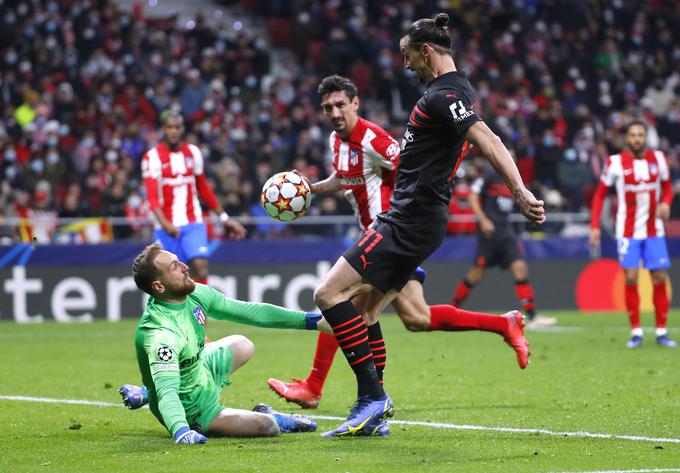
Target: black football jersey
<point x="496" y="198"/>
<point x="432" y="148"/>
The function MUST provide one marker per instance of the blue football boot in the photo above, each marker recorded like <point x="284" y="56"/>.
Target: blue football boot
<point x="634" y="342"/>
<point x="377" y="429"/>
<point x="133" y="396"/>
<point x="665" y="341"/>
<point x="365" y="418"/>
<point x="288" y="423"/>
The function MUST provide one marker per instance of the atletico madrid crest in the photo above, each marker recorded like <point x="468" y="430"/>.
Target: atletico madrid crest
<point x="199" y="314"/>
<point x="354" y="157"/>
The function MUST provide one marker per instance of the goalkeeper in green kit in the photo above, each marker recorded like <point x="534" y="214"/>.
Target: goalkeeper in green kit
<point x="182" y="375"/>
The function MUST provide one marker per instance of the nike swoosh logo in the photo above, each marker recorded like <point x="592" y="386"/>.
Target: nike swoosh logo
<point x="353" y="430"/>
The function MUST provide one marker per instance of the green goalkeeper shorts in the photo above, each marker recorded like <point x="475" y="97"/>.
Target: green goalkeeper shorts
<point x="217" y="361"/>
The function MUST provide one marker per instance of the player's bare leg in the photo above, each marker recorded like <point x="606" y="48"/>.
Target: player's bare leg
<point x="417" y="316"/>
<point x="333" y="296"/>
<point x="307" y="392"/>
<point x="242" y="423"/>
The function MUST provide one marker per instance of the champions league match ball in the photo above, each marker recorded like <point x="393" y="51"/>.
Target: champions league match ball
<point x="286" y="196"/>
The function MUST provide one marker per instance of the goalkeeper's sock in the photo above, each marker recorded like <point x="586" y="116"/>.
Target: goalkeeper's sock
<point x="462" y="292"/>
<point x="326" y="346"/>
<point x="378" y="350"/>
<point x="525" y="293"/>
<point x="453" y="319"/>
<point x="352" y="336"/>
<point x="633" y="305"/>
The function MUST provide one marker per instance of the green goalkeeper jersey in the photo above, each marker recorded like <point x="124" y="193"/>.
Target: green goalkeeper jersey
<point x="170" y="339"/>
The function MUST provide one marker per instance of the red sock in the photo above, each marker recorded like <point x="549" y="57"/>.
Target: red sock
<point x="452" y="319"/>
<point x="378" y="350"/>
<point x="326" y="346"/>
<point x="660" y="304"/>
<point x="462" y="292"/>
<point x="633" y="305"/>
<point x="525" y="293"/>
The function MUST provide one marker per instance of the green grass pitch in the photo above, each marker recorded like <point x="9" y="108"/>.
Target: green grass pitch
<point x="581" y="379"/>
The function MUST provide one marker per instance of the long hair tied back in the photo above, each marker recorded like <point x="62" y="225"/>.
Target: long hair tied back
<point x="431" y="30"/>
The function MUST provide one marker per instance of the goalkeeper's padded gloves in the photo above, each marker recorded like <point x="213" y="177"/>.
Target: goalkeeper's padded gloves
<point x="186" y="436"/>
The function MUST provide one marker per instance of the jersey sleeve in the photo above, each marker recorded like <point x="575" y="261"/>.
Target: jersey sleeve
<point x="151" y="174"/>
<point x="665" y="178"/>
<point x="259" y="314"/>
<point x="162" y="347"/>
<point x="454" y="109"/>
<point x="199" y="162"/>
<point x="386" y="152"/>
<point x="608" y="176"/>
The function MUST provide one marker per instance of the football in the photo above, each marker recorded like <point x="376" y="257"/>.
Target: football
<point x="286" y="196"/>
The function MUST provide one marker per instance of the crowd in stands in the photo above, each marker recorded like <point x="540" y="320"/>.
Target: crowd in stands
<point x="82" y="84"/>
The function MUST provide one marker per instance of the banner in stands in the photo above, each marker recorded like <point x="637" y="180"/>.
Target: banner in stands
<point x="35" y="286"/>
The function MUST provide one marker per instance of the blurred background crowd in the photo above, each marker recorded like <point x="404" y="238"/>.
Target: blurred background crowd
<point x="82" y="84"/>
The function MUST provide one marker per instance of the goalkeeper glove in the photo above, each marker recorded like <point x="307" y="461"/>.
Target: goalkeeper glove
<point x="189" y="437"/>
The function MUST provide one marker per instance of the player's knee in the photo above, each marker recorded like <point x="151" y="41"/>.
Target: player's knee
<point x="323" y="297"/>
<point x="659" y="277"/>
<point x="242" y="349"/>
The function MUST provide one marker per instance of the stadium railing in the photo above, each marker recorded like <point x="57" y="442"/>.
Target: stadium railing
<point x="102" y="229"/>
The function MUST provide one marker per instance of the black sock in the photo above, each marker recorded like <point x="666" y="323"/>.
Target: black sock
<point x="377" y="344"/>
<point x="352" y="335"/>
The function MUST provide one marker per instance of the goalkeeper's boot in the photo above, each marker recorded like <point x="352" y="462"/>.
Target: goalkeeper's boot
<point x="288" y="423"/>
<point x="665" y="341"/>
<point x="634" y="342"/>
<point x="514" y="336"/>
<point x="298" y="392"/>
<point x="133" y="396"/>
<point x="364" y="418"/>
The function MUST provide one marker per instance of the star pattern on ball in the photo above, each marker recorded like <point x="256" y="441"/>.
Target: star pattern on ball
<point x="282" y="204"/>
<point x="302" y="189"/>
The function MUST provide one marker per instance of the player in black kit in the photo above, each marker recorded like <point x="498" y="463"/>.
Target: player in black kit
<point x="497" y="245"/>
<point x="441" y="128"/>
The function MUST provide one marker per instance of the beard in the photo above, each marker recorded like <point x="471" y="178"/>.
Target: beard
<point x="183" y="289"/>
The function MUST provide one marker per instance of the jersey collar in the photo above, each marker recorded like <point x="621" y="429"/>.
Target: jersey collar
<point x="168" y="305"/>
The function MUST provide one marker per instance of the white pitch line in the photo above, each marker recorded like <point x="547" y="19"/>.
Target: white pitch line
<point x="653" y="470"/>
<point x="436" y="425"/>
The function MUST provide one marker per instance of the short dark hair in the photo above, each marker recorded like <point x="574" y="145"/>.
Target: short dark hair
<point x="144" y="270"/>
<point x="168" y="114"/>
<point x="431" y="30"/>
<point x="336" y="83"/>
<point x="635" y="122"/>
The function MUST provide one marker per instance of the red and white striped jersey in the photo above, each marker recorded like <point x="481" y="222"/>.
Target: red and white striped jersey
<point x="638" y="184"/>
<point x="367" y="164"/>
<point x="174" y="180"/>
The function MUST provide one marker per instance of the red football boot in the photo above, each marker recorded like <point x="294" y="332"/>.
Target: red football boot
<point x="298" y="392"/>
<point x="514" y="336"/>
